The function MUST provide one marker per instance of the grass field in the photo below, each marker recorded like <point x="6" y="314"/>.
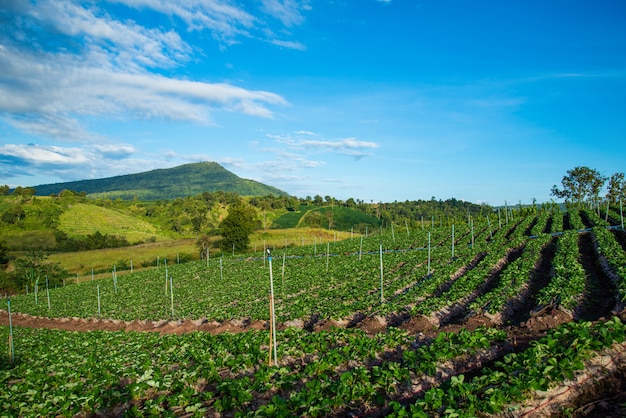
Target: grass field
<point x="82" y="262"/>
<point x="84" y="219"/>
<point x="342" y="218"/>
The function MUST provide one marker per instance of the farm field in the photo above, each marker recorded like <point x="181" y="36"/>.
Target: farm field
<point x="519" y="316"/>
<point x="82" y="262"/>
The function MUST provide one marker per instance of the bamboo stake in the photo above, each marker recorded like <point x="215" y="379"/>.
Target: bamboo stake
<point x="361" y="249"/>
<point x="172" y="296"/>
<point x="327" y="254"/>
<point x="453" y="241"/>
<point x="429" y="253"/>
<point x="11" y="347"/>
<point x="273" y="316"/>
<point x="381" y="273"/>
<point x="48" y="292"/>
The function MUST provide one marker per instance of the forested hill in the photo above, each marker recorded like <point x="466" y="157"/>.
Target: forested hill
<point x="164" y="184"/>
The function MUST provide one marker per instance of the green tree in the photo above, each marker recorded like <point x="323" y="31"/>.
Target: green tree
<point x="579" y="185"/>
<point x="237" y="226"/>
<point x="4" y="190"/>
<point x="4" y="255"/>
<point x="26" y="192"/>
<point x="33" y="269"/>
<point x="616" y="188"/>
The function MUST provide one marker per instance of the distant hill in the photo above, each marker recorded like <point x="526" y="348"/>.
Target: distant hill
<point x="162" y="184"/>
<point x="341" y="218"/>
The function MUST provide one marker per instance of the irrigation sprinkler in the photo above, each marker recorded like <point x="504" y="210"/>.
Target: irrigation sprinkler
<point x="393" y="235"/>
<point x="92" y="274"/>
<point x="131" y="265"/>
<point x="98" y="300"/>
<point x="11" y="347"/>
<point x="489" y="225"/>
<point x="207" y="257"/>
<point x="408" y="233"/>
<point x="272" y="314"/>
<point x="233" y="250"/>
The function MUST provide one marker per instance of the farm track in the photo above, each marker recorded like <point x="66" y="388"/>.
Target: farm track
<point x="600" y="292"/>
<point x="620" y="236"/>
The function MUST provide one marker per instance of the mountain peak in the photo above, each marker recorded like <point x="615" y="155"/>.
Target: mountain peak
<point x="165" y="183"/>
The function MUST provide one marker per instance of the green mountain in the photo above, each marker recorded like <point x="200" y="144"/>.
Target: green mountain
<point x="163" y="184"/>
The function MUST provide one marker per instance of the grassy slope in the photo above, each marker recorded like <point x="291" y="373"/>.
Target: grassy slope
<point x="343" y="217"/>
<point x="84" y="219"/>
<point x="82" y="262"/>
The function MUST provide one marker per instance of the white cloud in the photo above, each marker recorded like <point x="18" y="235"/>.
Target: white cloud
<point x="346" y="146"/>
<point x="55" y="91"/>
<point x="101" y="68"/>
<point x="225" y="20"/>
<point x="289" y="12"/>
<point x="73" y="163"/>
<point x="289" y="44"/>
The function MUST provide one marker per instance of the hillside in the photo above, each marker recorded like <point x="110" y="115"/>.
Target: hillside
<point x="85" y="219"/>
<point x="164" y="184"/>
<point x="340" y="218"/>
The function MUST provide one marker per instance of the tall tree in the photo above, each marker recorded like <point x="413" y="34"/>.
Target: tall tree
<point x="237" y="226"/>
<point x="580" y="184"/>
<point x="617" y="188"/>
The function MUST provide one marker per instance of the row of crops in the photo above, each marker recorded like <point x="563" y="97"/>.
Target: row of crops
<point x="441" y="274"/>
<point x="420" y="273"/>
<point x="330" y="282"/>
<point x="338" y="372"/>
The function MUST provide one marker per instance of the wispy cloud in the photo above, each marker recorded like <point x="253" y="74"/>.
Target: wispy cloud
<point x="81" y="61"/>
<point x="225" y="21"/>
<point x="289" y="44"/>
<point x="78" y="163"/>
<point x="289" y="12"/>
<point x="345" y="146"/>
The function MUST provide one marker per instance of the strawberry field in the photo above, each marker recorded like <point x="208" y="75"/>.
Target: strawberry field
<point x="516" y="315"/>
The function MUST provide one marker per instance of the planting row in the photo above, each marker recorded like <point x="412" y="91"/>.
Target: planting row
<point x="337" y="372"/>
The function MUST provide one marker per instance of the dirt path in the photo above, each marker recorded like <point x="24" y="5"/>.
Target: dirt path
<point x="600" y="292"/>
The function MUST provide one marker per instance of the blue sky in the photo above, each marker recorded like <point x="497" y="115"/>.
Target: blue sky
<point x="484" y="101"/>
